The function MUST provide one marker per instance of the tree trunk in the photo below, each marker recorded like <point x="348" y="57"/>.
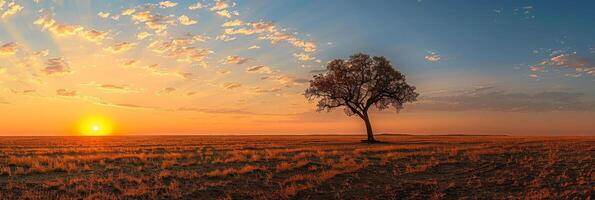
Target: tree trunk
<point x="369" y="128"/>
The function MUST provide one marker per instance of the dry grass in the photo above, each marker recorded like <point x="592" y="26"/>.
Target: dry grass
<point x="295" y="167"/>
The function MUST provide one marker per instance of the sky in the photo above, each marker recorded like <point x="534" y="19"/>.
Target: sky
<point x="241" y="67"/>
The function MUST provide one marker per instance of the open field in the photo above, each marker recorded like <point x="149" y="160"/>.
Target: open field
<point x="296" y="167"/>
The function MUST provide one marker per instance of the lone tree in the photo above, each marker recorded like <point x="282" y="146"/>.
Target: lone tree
<point x="358" y="84"/>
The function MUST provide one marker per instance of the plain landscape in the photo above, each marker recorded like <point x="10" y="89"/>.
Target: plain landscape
<point x="296" y="167"/>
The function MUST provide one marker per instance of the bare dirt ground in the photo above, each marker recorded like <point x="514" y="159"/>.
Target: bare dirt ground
<point x="296" y="167"/>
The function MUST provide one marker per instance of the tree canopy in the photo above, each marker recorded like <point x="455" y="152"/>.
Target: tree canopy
<point x="359" y="83"/>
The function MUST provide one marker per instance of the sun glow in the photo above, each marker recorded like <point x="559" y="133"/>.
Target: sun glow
<point x="95" y="126"/>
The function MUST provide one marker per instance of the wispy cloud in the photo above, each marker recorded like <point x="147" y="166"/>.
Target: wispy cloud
<point x="56" y="66"/>
<point x="8" y="48"/>
<point x="231" y="85"/>
<point x="235" y="60"/>
<point x="120" y="47"/>
<point x="491" y="99"/>
<point x="185" y="20"/>
<point x="433" y="56"/>
<point x="261" y="69"/>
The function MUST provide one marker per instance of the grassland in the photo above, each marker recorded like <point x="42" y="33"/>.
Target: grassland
<point x="296" y="167"/>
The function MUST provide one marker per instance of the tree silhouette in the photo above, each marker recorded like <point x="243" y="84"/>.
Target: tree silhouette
<point x="358" y="84"/>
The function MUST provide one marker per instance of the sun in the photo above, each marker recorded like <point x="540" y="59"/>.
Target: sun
<point x="95" y="126"/>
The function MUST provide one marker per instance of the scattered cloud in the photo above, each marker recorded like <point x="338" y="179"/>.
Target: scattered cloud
<point x="254" y="47"/>
<point x="185" y="75"/>
<point x="232" y="23"/>
<point x="128" y="11"/>
<point x="303" y="56"/>
<point x="103" y="14"/>
<point x="156" y="22"/>
<point x="261" y="69"/>
<point x="196" y="6"/>
<point x="62" y="30"/>
<point x="231" y="85"/>
<point x="262" y="90"/>
<point x="290" y="80"/>
<point x="113" y="88"/>
<point x="167" y="91"/>
<point x="219" y="5"/>
<point x="120" y="47"/>
<point x="66" y="93"/>
<point x="13" y="8"/>
<point x="432" y="56"/>
<point x="490" y="99"/>
<point x="167" y="4"/>
<point x="8" y="48"/>
<point x="185" y="20"/>
<point x="566" y="61"/>
<point x="525" y="11"/>
<point x="56" y="66"/>
<point x="223" y="71"/>
<point x="235" y="60"/>
<point x="143" y="35"/>
<point x="269" y="31"/>
<point x="182" y="49"/>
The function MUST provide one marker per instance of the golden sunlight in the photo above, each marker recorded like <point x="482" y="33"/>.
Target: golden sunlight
<point x="95" y="126"/>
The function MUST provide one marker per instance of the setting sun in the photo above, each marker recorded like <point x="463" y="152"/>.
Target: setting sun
<point x="95" y="126"/>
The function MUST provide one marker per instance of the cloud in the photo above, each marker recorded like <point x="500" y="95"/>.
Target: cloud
<point x="290" y="80"/>
<point x="167" y="4"/>
<point x="103" y="14"/>
<point x="225" y="38"/>
<point x="143" y="35"/>
<point x="8" y="48"/>
<point x="62" y="30"/>
<point x="58" y="29"/>
<point x="262" y="90"/>
<point x="579" y="65"/>
<point x="489" y="99"/>
<point x="182" y="48"/>
<point x="119" y="47"/>
<point x="433" y="56"/>
<point x="235" y="60"/>
<point x="156" y="22"/>
<point x="185" y="75"/>
<point x="254" y="47"/>
<point x="56" y="66"/>
<point x="225" y="111"/>
<point x="261" y="69"/>
<point x="167" y="91"/>
<point x="303" y="56"/>
<point x="537" y="68"/>
<point x="224" y="13"/>
<point x="42" y="53"/>
<point x="269" y="31"/>
<point x="66" y="93"/>
<point x="28" y="91"/>
<point x="232" y="23"/>
<point x="94" y="35"/>
<point x="128" y="11"/>
<point x="13" y="9"/>
<point x="129" y="62"/>
<point x="221" y="8"/>
<point x="196" y="6"/>
<point x="113" y="88"/>
<point x="185" y="20"/>
<point x="219" y="5"/>
<point x="223" y="71"/>
<point x="231" y="85"/>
